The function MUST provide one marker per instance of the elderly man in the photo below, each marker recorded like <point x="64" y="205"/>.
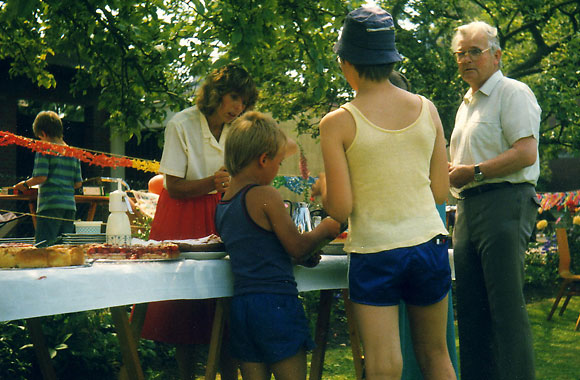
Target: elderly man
<point x="494" y="168"/>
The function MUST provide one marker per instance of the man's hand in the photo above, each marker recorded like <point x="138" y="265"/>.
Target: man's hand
<point x="460" y="175"/>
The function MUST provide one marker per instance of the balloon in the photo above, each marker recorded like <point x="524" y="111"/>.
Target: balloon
<point x="156" y="184"/>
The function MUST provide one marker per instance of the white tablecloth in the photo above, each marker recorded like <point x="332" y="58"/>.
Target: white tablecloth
<point x="28" y="293"/>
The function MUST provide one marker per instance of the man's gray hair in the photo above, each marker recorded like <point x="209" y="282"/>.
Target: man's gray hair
<point x="476" y="27"/>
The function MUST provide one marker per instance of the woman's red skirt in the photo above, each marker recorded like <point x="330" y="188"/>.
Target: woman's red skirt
<point x="181" y="321"/>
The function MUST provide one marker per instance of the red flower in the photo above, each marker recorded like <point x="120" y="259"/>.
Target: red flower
<point x="303" y="165"/>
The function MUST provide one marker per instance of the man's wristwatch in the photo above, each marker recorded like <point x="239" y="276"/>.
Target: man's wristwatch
<point x="478" y="175"/>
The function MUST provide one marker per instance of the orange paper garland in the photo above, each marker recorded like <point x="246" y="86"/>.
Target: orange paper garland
<point x="90" y="157"/>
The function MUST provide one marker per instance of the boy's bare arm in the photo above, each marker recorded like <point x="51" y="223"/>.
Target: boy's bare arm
<point x="28" y="183"/>
<point x="266" y="207"/>
<point x="336" y="192"/>
<point x="439" y="172"/>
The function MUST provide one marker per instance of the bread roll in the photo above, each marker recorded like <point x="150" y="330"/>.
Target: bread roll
<point x="32" y="258"/>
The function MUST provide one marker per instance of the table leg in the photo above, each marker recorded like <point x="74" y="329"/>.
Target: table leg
<point x="127" y="342"/>
<point x="355" y="346"/>
<point x="92" y="210"/>
<point x="137" y="321"/>
<point x="215" y="343"/>
<point x="32" y="208"/>
<point x="34" y="326"/>
<point x="321" y="334"/>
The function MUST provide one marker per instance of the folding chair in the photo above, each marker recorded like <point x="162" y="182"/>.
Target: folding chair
<point x="570" y="282"/>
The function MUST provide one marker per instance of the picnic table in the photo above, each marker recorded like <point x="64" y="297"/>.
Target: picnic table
<point x="37" y="293"/>
<point x="92" y="200"/>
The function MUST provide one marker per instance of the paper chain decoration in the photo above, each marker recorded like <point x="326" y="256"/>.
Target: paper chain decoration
<point x="559" y="200"/>
<point x="90" y="157"/>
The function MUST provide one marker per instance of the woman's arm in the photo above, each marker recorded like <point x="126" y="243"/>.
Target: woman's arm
<point x="179" y="188"/>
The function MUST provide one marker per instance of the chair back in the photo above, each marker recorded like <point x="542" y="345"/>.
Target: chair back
<point x="563" y="251"/>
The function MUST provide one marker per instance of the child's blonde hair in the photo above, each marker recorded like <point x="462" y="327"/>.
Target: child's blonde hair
<point x="252" y="134"/>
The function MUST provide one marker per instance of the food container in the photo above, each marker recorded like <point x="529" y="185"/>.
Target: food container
<point x="93" y="190"/>
<point x="85" y="227"/>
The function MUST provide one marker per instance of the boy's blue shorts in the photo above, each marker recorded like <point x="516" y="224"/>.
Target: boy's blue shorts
<point x="267" y="328"/>
<point x="419" y="275"/>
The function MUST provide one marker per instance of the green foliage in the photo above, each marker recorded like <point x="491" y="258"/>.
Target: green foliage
<point x="81" y="345"/>
<point x="16" y="361"/>
<point x="541" y="264"/>
<point x="145" y="58"/>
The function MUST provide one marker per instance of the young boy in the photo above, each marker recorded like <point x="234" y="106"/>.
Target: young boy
<point x="268" y="327"/>
<point x="386" y="168"/>
<point x="57" y="176"/>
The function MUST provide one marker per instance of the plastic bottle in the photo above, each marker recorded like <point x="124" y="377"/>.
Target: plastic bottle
<point x="118" y="226"/>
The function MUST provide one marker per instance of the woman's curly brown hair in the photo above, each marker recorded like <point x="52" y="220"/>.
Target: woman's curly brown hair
<point x="227" y="79"/>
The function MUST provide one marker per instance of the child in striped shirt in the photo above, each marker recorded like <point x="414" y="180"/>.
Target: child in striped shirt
<point x="57" y="177"/>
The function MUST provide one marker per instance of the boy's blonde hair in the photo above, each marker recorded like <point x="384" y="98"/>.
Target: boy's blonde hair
<point x="252" y="134"/>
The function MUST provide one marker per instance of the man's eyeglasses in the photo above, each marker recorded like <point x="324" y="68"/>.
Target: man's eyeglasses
<point x="473" y="53"/>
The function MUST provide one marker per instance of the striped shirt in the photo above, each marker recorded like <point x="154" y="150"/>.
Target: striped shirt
<point x="58" y="191"/>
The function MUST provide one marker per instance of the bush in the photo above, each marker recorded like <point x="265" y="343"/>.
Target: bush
<point x="541" y="264"/>
<point x="15" y="358"/>
<point x="81" y="345"/>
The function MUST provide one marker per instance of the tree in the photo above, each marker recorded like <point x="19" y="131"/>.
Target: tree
<point x="539" y="39"/>
<point x="122" y="48"/>
<point x="145" y="56"/>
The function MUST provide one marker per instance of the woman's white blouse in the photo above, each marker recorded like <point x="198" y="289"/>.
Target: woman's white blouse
<point x="190" y="151"/>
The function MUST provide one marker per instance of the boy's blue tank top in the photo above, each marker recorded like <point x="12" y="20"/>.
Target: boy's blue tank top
<point x="260" y="263"/>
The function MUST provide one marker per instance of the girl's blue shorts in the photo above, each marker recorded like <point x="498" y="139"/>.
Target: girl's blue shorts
<point x="267" y="328"/>
<point x="419" y="275"/>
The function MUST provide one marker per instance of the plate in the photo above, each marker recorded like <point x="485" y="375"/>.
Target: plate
<point x="203" y="255"/>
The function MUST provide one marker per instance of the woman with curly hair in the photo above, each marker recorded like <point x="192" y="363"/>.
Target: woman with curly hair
<point x="194" y="181"/>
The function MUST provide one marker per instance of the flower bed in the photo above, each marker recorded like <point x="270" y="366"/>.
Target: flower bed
<point x="558" y="210"/>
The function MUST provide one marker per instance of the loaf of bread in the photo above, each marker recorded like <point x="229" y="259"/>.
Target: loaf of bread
<point x="17" y="255"/>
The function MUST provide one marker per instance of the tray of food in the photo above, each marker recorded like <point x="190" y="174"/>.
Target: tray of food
<point x="135" y="252"/>
<point x="24" y="255"/>
<point x="210" y="243"/>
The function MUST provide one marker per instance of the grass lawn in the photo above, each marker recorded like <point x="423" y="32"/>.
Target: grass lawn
<point x="556" y="344"/>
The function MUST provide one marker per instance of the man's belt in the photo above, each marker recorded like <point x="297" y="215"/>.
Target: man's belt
<point x="473" y="191"/>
